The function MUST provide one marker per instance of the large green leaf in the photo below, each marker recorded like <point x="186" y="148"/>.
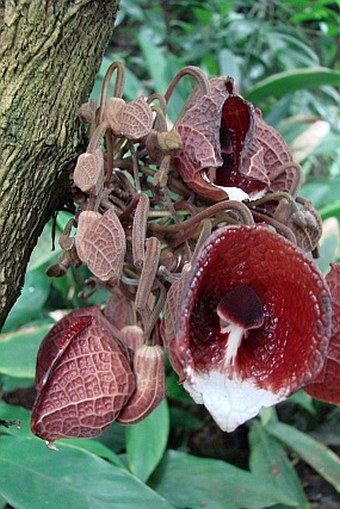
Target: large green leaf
<point x="11" y="412"/>
<point x="319" y="457"/>
<point x="45" y="251"/>
<point x="321" y="191"/>
<point x="71" y="477"/>
<point x="146" y="442"/>
<point x="155" y="59"/>
<point x="268" y="460"/>
<point x="189" y="481"/>
<point x="18" y="351"/>
<point x="31" y="300"/>
<point x="291" y="81"/>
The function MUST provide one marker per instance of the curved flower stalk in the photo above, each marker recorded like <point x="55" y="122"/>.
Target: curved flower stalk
<point x="251" y="328"/>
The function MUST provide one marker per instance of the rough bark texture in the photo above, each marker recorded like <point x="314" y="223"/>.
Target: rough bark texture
<point x="50" y="52"/>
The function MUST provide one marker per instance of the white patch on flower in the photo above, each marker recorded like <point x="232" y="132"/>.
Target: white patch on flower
<point x="236" y="335"/>
<point x="231" y="402"/>
<point x="235" y="193"/>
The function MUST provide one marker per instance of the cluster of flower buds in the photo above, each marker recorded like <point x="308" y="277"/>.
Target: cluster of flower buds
<point x="90" y="373"/>
<point x="197" y="231"/>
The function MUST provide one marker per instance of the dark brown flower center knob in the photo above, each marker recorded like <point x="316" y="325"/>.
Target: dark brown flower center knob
<point x="238" y="311"/>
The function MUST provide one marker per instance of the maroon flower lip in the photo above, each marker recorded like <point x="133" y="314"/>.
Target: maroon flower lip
<point x="250" y="278"/>
<point x="228" y="149"/>
<point x="326" y="386"/>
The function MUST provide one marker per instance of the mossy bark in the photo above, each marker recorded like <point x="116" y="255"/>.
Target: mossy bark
<point x="50" y="52"/>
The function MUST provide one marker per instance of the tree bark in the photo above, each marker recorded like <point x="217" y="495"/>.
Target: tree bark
<point x="50" y="52"/>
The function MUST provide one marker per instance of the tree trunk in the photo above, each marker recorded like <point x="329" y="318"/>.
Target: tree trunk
<point x="50" y="52"/>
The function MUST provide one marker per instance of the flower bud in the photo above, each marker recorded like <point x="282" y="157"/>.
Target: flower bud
<point x="83" y="378"/>
<point x="150" y="384"/>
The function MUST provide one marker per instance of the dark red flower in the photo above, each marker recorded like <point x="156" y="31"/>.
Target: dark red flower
<point x="83" y="377"/>
<point x="252" y="324"/>
<point x="228" y="151"/>
<point x="326" y="386"/>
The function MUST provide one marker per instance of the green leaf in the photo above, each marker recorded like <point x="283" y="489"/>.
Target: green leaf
<point x="331" y="210"/>
<point x="302" y="399"/>
<point x="93" y="446"/>
<point x="146" y="442"/>
<point x="43" y="252"/>
<point x="229" y="64"/>
<point x="321" y="191"/>
<point x="329" y="247"/>
<point x="319" y="457"/>
<point x="189" y="481"/>
<point x="71" y="477"/>
<point x="11" y="412"/>
<point x="268" y="460"/>
<point x="18" y="351"/>
<point x="114" y="437"/>
<point x="155" y="59"/>
<point x="291" y="81"/>
<point x="32" y="299"/>
<point x="176" y="390"/>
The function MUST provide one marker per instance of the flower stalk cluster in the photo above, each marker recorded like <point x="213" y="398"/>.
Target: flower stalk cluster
<point x="172" y="220"/>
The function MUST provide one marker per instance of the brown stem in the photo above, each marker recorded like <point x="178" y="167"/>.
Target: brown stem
<point x="298" y="176"/>
<point x="139" y="226"/>
<point x="135" y="167"/>
<point x="150" y="267"/>
<point x="96" y="137"/>
<point x="279" y="195"/>
<point x="118" y="88"/>
<point x="284" y="230"/>
<point x="160" y="98"/>
<point x="193" y="71"/>
<point x="160" y="120"/>
<point x="109" y="156"/>
<point x="204" y="214"/>
<point x="204" y="234"/>
<point x="155" y="313"/>
<point x="130" y="208"/>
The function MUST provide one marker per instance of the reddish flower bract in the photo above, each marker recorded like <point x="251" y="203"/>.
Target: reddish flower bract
<point x="272" y="360"/>
<point x="83" y="377"/>
<point x="326" y="386"/>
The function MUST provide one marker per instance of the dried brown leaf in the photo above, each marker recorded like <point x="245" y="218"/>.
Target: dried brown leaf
<point x="306" y="225"/>
<point x="89" y="172"/>
<point x="101" y="244"/>
<point x="112" y="112"/>
<point x="136" y="119"/>
<point x="87" y="111"/>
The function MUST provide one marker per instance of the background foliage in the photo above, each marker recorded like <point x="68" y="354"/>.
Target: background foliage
<point x="284" y="57"/>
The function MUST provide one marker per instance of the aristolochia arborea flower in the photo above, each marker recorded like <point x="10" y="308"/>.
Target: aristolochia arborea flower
<point x="228" y="150"/>
<point x="249" y="324"/>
